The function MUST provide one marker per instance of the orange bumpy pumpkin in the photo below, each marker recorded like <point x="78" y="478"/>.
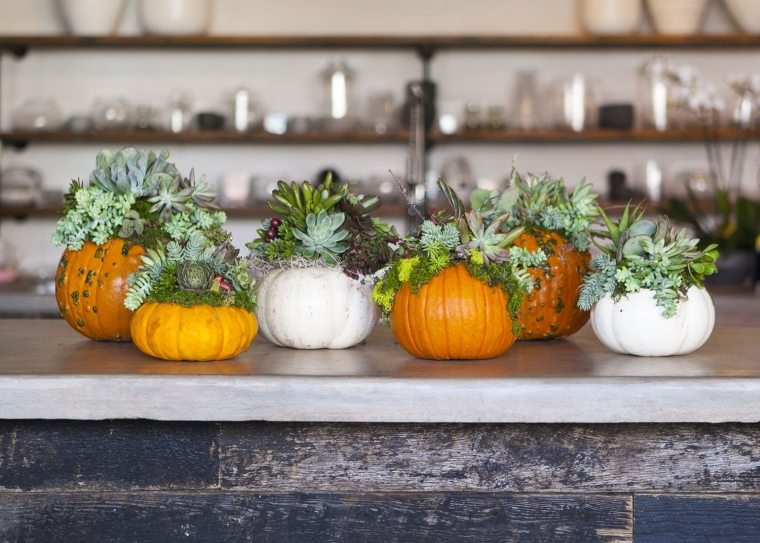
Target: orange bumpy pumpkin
<point x="550" y="310"/>
<point x="90" y="286"/>
<point x="454" y="316"/>
<point x="201" y="332"/>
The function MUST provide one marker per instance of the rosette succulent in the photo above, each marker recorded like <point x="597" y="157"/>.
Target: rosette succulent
<point x="194" y="275"/>
<point x="323" y="236"/>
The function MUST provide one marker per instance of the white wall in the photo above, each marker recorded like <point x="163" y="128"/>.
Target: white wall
<point x="288" y="81"/>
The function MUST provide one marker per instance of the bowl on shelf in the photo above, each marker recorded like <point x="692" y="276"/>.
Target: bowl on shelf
<point x="677" y="17"/>
<point x="746" y="14"/>
<point x="91" y="17"/>
<point x="175" y="17"/>
<point x="611" y="17"/>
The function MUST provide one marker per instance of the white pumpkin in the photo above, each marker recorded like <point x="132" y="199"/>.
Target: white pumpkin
<point x="635" y="325"/>
<point x="314" y="308"/>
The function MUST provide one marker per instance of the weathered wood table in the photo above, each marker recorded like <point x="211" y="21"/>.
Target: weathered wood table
<point x="556" y="441"/>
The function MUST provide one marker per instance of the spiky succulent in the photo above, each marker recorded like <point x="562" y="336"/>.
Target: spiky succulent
<point x="474" y="238"/>
<point x="137" y="195"/>
<point x="192" y="272"/>
<point x="323" y="236"/>
<point x="544" y="202"/>
<point x="637" y="253"/>
<point x="324" y="224"/>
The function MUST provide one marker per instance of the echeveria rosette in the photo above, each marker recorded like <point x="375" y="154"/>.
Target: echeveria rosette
<point x="192" y="272"/>
<point x="638" y="253"/>
<point x="471" y="237"/>
<point x="139" y="196"/>
<point x="322" y="225"/>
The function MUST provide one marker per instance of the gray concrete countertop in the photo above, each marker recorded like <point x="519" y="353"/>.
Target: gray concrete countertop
<point x="47" y="371"/>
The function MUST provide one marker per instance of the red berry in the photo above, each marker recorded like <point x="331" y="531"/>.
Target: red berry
<point x="275" y="222"/>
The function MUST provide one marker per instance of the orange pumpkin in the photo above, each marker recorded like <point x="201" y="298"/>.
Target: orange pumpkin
<point x="550" y="310"/>
<point x="201" y="332"/>
<point x="90" y="286"/>
<point x="454" y="316"/>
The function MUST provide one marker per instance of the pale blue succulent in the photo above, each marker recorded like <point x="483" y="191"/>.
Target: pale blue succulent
<point x="323" y="237"/>
<point x="131" y="171"/>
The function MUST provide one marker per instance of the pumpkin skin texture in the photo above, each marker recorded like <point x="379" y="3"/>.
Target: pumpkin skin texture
<point x="315" y="308"/>
<point x="454" y="316"/>
<point x="201" y="332"/>
<point x="90" y="286"/>
<point x="550" y="309"/>
<point x="635" y="325"/>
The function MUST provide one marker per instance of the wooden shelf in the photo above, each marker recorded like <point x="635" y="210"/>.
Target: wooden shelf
<point x="597" y="135"/>
<point x="20" y="45"/>
<point x="21" y="139"/>
<point x="255" y="211"/>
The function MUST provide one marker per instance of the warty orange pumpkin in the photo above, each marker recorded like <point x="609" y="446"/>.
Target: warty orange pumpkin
<point x="202" y="332"/>
<point x="454" y="316"/>
<point x="90" y="285"/>
<point x="550" y="310"/>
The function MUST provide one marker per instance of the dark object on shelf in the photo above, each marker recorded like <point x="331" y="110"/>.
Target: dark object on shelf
<point x="322" y="175"/>
<point x="617" y="189"/>
<point x="428" y="96"/>
<point x="210" y="121"/>
<point x="618" y="116"/>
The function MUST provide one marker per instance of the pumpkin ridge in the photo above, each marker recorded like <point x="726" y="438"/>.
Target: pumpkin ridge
<point x="485" y="335"/>
<point x="429" y="347"/>
<point x="446" y="331"/>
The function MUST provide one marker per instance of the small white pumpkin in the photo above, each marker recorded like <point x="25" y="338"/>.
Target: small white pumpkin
<point x="635" y="325"/>
<point x="314" y="308"/>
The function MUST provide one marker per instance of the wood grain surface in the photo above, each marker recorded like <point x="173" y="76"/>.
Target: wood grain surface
<point x="697" y="519"/>
<point x="514" y="457"/>
<point x="113" y="455"/>
<point x="300" y="518"/>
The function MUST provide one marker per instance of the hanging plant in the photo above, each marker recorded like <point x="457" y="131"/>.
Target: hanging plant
<point x="454" y="288"/>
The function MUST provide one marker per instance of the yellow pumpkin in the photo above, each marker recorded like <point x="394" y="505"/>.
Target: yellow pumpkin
<point x="202" y="332"/>
<point x="454" y="316"/>
<point x="550" y="310"/>
<point x="90" y="286"/>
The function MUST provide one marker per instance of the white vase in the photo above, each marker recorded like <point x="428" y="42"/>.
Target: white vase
<point x="677" y="17"/>
<point x="175" y="17"/>
<point x="91" y="17"/>
<point x="746" y="13"/>
<point x="635" y="325"/>
<point x="314" y="308"/>
<point x="610" y="17"/>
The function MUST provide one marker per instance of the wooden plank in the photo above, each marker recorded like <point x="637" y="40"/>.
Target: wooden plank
<point x="294" y="518"/>
<point x="20" y="44"/>
<point x="697" y="519"/>
<point x="108" y="455"/>
<point x="514" y="457"/>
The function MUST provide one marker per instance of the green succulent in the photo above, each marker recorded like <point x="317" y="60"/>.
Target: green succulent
<point x="170" y="197"/>
<point x="202" y="194"/>
<point x="137" y="195"/>
<point x="133" y="225"/>
<point x="544" y="202"/>
<point x="492" y="245"/>
<point x="641" y="253"/>
<point x="192" y="272"/>
<point x="323" y="236"/>
<point x="131" y="171"/>
<point x="194" y="275"/>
